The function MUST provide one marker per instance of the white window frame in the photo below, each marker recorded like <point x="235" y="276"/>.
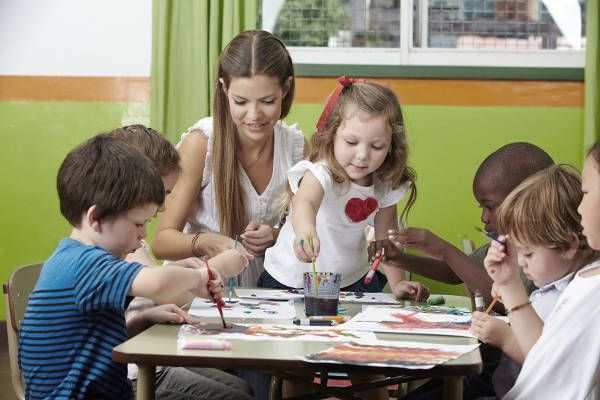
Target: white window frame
<point x="411" y="56"/>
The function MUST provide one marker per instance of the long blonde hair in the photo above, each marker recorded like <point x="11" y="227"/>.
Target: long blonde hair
<point x="374" y="99"/>
<point x="250" y="53"/>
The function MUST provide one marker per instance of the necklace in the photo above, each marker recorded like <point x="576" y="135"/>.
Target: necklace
<point x="259" y="155"/>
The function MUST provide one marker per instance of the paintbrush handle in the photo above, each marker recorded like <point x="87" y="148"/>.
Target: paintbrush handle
<point x="371" y="273"/>
<point x="220" y="303"/>
<point x="492" y="304"/>
<point x="211" y="276"/>
<point x="376" y="262"/>
<point x="312" y="247"/>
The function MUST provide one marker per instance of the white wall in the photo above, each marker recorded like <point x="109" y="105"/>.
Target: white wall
<point x="75" y="37"/>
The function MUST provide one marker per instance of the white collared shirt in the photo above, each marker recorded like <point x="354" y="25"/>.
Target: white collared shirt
<point x="544" y="299"/>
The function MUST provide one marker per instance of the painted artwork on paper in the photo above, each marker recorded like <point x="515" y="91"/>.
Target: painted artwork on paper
<point x="429" y="309"/>
<point x="275" y="332"/>
<point x="412" y="320"/>
<point x="410" y="355"/>
<point x="245" y="309"/>
<point x="269" y="294"/>
<point x="368" y="298"/>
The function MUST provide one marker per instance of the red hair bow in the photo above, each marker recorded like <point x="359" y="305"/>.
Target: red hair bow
<point x="344" y="81"/>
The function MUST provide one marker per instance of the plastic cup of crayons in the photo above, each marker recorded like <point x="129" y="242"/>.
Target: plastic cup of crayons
<point x="321" y="293"/>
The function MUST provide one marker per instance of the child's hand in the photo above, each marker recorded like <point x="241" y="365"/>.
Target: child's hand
<point x="257" y="238"/>
<point x="489" y="329"/>
<point x="410" y="290"/>
<point x="307" y="246"/>
<point x="391" y="250"/>
<point x="167" y="313"/>
<point x="215" y="286"/>
<point x="231" y="262"/>
<point x="501" y="264"/>
<point x="141" y="255"/>
<point x="420" y="239"/>
<point x="190" y="262"/>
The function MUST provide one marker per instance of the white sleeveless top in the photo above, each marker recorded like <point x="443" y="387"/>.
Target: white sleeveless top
<point x="288" y="149"/>
<point x="342" y="240"/>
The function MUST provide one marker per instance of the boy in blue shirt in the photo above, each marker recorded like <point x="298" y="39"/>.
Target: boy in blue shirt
<point x="108" y="191"/>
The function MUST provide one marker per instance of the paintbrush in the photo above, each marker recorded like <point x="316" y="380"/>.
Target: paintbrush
<point x="231" y="280"/>
<point x="494" y="301"/>
<point x="314" y="266"/>
<point x="376" y="262"/>
<point x="220" y="303"/>
<point x="489" y="235"/>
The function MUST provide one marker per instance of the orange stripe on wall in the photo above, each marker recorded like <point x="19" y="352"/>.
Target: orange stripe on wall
<point x="71" y="88"/>
<point x="310" y="90"/>
<point x="459" y="92"/>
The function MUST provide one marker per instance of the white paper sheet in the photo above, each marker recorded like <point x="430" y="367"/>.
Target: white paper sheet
<point x="245" y="308"/>
<point x="411" y="320"/>
<point x="269" y="294"/>
<point x="368" y="298"/>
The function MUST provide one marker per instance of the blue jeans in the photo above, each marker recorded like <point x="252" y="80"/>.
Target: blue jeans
<point x="377" y="284"/>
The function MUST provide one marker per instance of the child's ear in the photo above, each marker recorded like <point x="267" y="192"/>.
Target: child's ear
<point x="571" y="252"/>
<point x="91" y="218"/>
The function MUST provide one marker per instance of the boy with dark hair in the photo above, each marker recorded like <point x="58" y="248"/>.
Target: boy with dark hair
<point x="108" y="191"/>
<point x="497" y="175"/>
<point x="174" y="382"/>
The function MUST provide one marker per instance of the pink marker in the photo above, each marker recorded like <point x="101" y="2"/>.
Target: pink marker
<point x="376" y="262"/>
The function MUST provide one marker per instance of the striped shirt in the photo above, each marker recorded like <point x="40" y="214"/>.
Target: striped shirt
<point x="74" y="318"/>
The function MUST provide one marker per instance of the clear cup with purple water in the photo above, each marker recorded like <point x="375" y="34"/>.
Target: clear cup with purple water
<point x="321" y="293"/>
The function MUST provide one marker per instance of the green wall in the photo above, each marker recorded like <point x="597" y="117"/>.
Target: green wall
<point x="446" y="144"/>
<point x="36" y="137"/>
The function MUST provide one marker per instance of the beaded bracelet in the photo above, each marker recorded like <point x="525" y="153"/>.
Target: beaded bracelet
<point x="518" y="307"/>
<point x="194" y="240"/>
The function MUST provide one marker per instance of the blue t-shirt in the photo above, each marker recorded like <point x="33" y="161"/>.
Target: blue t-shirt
<point x="74" y="318"/>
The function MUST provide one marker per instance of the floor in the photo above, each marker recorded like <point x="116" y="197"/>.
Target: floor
<point x="6" y="391"/>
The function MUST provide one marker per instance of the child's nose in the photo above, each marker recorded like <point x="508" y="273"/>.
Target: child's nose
<point x="485" y="216"/>
<point x="362" y="153"/>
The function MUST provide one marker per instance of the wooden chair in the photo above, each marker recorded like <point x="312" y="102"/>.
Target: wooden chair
<point x="16" y="295"/>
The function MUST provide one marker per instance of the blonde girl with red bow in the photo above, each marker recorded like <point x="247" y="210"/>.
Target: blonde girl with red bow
<point x="356" y="174"/>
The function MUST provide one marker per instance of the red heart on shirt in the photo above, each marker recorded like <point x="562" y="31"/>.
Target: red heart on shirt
<point x="358" y="209"/>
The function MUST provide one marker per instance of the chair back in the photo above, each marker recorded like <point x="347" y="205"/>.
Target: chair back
<point x="16" y="294"/>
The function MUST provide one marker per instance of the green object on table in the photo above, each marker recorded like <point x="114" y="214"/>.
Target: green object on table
<point x="436" y="300"/>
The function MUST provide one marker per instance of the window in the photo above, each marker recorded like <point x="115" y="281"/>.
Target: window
<point x="506" y="33"/>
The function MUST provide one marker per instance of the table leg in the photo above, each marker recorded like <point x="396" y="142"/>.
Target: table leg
<point x="145" y="382"/>
<point x="453" y="388"/>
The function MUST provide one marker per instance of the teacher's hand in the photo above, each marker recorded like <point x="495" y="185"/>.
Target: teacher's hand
<point x="257" y="238"/>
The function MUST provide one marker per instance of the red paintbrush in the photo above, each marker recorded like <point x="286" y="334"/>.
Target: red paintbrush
<point x="374" y="266"/>
<point x="220" y="303"/>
